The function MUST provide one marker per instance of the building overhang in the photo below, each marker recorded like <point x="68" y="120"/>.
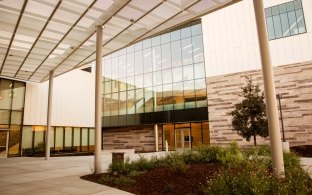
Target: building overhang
<point x="38" y="36"/>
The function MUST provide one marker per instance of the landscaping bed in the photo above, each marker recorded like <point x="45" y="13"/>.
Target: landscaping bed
<point x="207" y="170"/>
<point x="303" y="151"/>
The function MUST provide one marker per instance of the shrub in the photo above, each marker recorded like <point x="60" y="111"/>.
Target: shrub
<point x="231" y="156"/>
<point x="124" y="181"/>
<point x="208" y="154"/>
<point x="179" y="166"/>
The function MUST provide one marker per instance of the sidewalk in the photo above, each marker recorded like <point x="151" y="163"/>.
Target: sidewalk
<point x="59" y="175"/>
<point x="307" y="165"/>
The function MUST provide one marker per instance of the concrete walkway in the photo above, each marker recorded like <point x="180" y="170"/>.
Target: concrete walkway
<point x="61" y="175"/>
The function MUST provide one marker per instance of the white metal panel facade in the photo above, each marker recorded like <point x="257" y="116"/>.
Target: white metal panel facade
<point x="73" y="101"/>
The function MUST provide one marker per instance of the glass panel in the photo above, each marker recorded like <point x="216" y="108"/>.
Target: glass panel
<point x="277" y="26"/>
<point x="268" y="12"/>
<point x="122" y="66"/>
<point x="138" y="63"/>
<point x="107" y="104"/>
<point x="186" y="45"/>
<point x="157" y="78"/>
<point x="123" y="84"/>
<point x="185" y="32"/>
<point x="196" y="134"/>
<point x="139" y="101"/>
<point x="167" y="76"/>
<point x="206" y="135"/>
<point x="298" y="4"/>
<point x="292" y="23"/>
<point x="199" y="70"/>
<point x="269" y="22"/>
<point x="115" y="86"/>
<point x="108" y="87"/>
<point x="18" y="96"/>
<point x="285" y="24"/>
<point x="178" y="95"/>
<point x="290" y="6"/>
<point x="6" y="87"/>
<point x="175" y="35"/>
<point x="275" y="10"/>
<point x="158" y="95"/>
<point x="138" y="46"/>
<point x="131" y="102"/>
<point x="123" y="103"/>
<point x="156" y="41"/>
<point x="165" y="38"/>
<point x="114" y="104"/>
<point x="139" y="81"/>
<point x="168" y="132"/>
<point x="188" y="72"/>
<point x="115" y="68"/>
<point x="177" y="74"/>
<point x="300" y="21"/>
<point x="196" y="29"/>
<point x="177" y="54"/>
<point x="201" y="94"/>
<point x="39" y="134"/>
<point x="3" y="143"/>
<point x="84" y="139"/>
<point x="77" y="139"/>
<point x="130" y="64"/>
<point x="68" y="137"/>
<point x="166" y="56"/>
<point x="107" y="68"/>
<point x="282" y="8"/>
<point x="91" y="139"/>
<point x="189" y="94"/>
<point x="130" y="49"/>
<point x="147" y="60"/>
<point x="149" y="100"/>
<point x="4" y="117"/>
<point x="148" y="79"/>
<point x="156" y="58"/>
<point x="14" y="140"/>
<point x="27" y="137"/>
<point x="167" y="97"/>
<point x="147" y="43"/>
<point x="59" y="138"/>
<point x="130" y="82"/>
<point x="16" y="117"/>
<point x="198" y="49"/>
<point x="52" y="133"/>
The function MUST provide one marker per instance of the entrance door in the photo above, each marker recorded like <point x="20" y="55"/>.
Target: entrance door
<point x="4" y="135"/>
<point x="182" y="138"/>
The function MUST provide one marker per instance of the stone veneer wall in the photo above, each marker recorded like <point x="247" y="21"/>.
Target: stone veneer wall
<point x="139" y="138"/>
<point x="293" y="82"/>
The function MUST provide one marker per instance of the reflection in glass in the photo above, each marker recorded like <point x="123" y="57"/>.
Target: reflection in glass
<point x="59" y="138"/>
<point x="108" y="68"/>
<point x="91" y="139"/>
<point x="166" y="56"/>
<point x="27" y="137"/>
<point x="149" y="100"/>
<point x="130" y="64"/>
<point x="198" y="49"/>
<point x="167" y="76"/>
<point x="167" y="97"/>
<point x="122" y="66"/>
<point x="68" y="137"/>
<point x="138" y="63"/>
<point x="139" y="101"/>
<point x="187" y="56"/>
<point x="156" y="58"/>
<point x="199" y="70"/>
<point x="107" y="104"/>
<point x="4" y="117"/>
<point x="108" y="87"/>
<point x="77" y="139"/>
<point x="158" y="97"/>
<point x="185" y="32"/>
<point x="188" y="72"/>
<point x="178" y="95"/>
<point x="114" y="104"/>
<point x="189" y="94"/>
<point x="16" y="117"/>
<point x="147" y="60"/>
<point x="39" y="134"/>
<point x="114" y="68"/>
<point x="131" y="102"/>
<point x="177" y="54"/>
<point x="148" y="79"/>
<point x="201" y="94"/>
<point x="84" y="139"/>
<point x="6" y="87"/>
<point x="177" y="74"/>
<point x="122" y="103"/>
<point x="18" y="96"/>
<point x="14" y="140"/>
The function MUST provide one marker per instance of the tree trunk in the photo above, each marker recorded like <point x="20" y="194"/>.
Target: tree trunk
<point x="255" y="140"/>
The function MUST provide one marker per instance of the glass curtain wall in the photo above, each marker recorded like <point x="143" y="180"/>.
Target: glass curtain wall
<point x="62" y="139"/>
<point x="12" y="95"/>
<point x="162" y="73"/>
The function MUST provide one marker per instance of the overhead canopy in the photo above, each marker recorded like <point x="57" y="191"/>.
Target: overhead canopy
<point x="37" y="36"/>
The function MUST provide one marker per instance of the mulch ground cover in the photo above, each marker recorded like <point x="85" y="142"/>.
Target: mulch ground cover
<point x="165" y="181"/>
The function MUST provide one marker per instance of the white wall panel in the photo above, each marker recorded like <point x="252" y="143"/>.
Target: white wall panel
<point x="231" y="43"/>
<point x="73" y="101"/>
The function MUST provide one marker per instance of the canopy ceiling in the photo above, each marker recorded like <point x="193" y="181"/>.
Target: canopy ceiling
<point x="37" y="36"/>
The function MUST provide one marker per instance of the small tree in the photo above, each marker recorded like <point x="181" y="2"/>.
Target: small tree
<point x="249" y="118"/>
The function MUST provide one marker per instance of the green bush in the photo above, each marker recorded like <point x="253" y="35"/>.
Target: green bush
<point x="231" y="156"/>
<point x="208" y="154"/>
<point x="124" y="181"/>
<point x="179" y="166"/>
<point x="254" y="176"/>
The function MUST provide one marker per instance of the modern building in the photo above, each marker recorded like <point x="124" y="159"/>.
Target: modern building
<point x="173" y="83"/>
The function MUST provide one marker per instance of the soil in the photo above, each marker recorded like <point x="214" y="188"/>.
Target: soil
<point x="165" y="181"/>
<point x="303" y="151"/>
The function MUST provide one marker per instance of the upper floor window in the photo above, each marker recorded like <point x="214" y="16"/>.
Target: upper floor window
<point x="285" y="20"/>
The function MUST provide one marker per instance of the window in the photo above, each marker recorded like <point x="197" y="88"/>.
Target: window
<point x="285" y="20"/>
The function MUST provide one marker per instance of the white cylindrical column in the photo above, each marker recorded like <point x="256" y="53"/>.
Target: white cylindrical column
<point x="49" y="115"/>
<point x="98" y="104"/>
<point x="156" y="137"/>
<point x="269" y="90"/>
